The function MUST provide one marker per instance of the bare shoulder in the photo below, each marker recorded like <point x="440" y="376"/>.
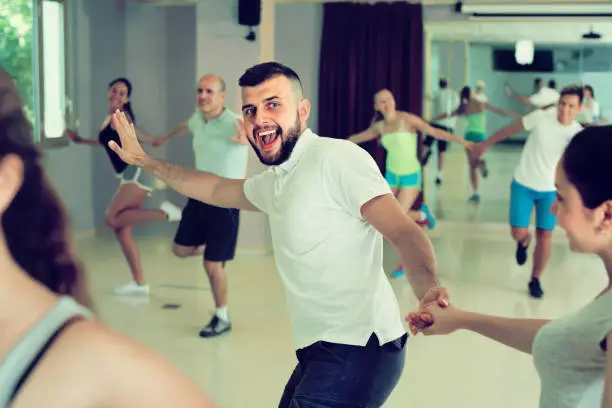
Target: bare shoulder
<point x="407" y="115"/>
<point x="410" y="118"/>
<point x="109" y="370"/>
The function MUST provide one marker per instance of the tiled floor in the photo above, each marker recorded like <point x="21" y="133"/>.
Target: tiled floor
<point x="249" y="366"/>
<point x="449" y="200"/>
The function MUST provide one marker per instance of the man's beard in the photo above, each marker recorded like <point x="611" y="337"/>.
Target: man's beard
<point x="288" y="143"/>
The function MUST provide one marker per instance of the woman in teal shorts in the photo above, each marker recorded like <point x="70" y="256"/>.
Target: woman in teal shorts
<point x="475" y="113"/>
<point x="398" y="135"/>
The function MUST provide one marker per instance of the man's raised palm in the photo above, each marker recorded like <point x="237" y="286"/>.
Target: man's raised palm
<point x="130" y="150"/>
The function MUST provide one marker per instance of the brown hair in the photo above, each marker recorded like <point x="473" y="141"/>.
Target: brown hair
<point x="35" y="224"/>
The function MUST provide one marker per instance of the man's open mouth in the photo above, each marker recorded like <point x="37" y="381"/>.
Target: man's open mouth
<point x="268" y="138"/>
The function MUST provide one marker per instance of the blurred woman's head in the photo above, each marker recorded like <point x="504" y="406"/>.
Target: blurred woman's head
<point x="584" y="191"/>
<point x="465" y="94"/>
<point x="384" y="102"/>
<point x="34" y="231"/>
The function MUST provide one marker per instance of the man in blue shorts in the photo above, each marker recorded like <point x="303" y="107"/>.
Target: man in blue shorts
<point x="204" y="228"/>
<point x="534" y="178"/>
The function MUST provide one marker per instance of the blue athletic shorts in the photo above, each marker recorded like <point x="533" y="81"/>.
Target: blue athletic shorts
<point x="522" y="201"/>
<point x="406" y="181"/>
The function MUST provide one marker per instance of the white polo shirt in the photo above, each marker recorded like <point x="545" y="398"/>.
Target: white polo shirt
<point x="544" y="97"/>
<point x="543" y="149"/>
<point x="446" y="101"/>
<point x="590" y="111"/>
<point x="328" y="257"/>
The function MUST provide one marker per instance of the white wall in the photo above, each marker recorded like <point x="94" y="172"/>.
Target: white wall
<point x="297" y="45"/>
<point x="106" y="42"/>
<point x="221" y="48"/>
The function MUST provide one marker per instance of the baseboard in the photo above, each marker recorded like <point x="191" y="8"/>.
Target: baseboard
<point x="102" y="232"/>
<point x="87" y="233"/>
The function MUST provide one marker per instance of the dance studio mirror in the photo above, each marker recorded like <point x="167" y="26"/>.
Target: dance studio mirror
<point x="500" y="62"/>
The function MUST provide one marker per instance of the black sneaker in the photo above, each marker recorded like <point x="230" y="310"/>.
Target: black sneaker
<point x="535" y="289"/>
<point x="215" y="327"/>
<point x="521" y="253"/>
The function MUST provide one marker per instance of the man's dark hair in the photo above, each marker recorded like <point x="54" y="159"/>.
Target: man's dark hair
<point x="574" y="90"/>
<point x="552" y="84"/>
<point x="443" y="83"/>
<point x="260" y="73"/>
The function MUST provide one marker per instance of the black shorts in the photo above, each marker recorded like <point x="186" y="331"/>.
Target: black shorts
<point x="442" y="144"/>
<point x="215" y="227"/>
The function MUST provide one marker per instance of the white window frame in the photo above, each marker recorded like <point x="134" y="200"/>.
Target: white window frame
<point x="51" y="119"/>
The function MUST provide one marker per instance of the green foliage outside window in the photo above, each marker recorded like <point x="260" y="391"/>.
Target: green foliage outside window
<point x="17" y="48"/>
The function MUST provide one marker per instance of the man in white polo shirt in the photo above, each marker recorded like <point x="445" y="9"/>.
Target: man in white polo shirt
<point x="446" y="100"/>
<point x="534" y="179"/>
<point x="208" y="229"/>
<point x="544" y="95"/>
<point x="329" y="207"/>
<point x="480" y="95"/>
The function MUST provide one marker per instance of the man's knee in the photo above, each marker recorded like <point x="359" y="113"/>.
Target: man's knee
<point x="543" y="235"/>
<point x="519" y="234"/>
<point x="213" y="268"/>
<point x="182" y="251"/>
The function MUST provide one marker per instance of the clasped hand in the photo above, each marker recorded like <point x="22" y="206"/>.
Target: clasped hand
<point x="435" y="314"/>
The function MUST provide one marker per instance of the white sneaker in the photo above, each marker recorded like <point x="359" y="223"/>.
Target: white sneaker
<point x="173" y="212"/>
<point x="132" y="289"/>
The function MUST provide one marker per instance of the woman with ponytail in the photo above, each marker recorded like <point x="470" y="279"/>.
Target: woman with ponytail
<point x="135" y="186"/>
<point x="475" y="113"/>
<point x="52" y="352"/>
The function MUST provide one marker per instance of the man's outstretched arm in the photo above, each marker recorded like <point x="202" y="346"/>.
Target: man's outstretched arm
<point x="205" y="187"/>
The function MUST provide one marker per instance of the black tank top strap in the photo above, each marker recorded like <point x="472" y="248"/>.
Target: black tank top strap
<point x="39" y="356"/>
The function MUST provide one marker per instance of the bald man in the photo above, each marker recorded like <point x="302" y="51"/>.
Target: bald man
<point x="207" y="229"/>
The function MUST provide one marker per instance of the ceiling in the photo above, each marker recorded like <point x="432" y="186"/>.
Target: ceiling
<point x="443" y="2"/>
<point x="551" y="32"/>
<point x="450" y="25"/>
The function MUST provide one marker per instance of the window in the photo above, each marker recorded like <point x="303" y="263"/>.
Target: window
<point x="17" y="49"/>
<point x="53" y="104"/>
<point x="32" y="51"/>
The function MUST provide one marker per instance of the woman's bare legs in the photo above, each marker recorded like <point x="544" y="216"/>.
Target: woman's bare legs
<point x="474" y="163"/>
<point x="406" y="198"/>
<point x="123" y="213"/>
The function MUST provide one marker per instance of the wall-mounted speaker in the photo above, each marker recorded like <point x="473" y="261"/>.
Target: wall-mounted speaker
<point x="249" y="12"/>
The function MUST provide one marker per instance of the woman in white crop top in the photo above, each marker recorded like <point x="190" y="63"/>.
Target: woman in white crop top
<point x="573" y="354"/>
<point x="52" y="353"/>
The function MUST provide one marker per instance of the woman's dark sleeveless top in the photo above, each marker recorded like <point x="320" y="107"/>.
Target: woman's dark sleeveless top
<point x="106" y="135"/>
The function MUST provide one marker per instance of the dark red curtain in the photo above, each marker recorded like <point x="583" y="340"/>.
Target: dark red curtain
<point x="365" y="48"/>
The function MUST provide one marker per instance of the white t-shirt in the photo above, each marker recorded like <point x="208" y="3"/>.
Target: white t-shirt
<point x="328" y="257"/>
<point x="446" y="101"/>
<point x="543" y="149"/>
<point x="545" y="96"/>
<point x="481" y="97"/>
<point x="590" y="112"/>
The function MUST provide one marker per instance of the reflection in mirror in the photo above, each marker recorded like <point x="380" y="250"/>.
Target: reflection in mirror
<point x="476" y="87"/>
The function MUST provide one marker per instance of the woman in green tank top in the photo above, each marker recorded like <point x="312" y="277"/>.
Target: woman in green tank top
<point x="397" y="131"/>
<point x="475" y="114"/>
